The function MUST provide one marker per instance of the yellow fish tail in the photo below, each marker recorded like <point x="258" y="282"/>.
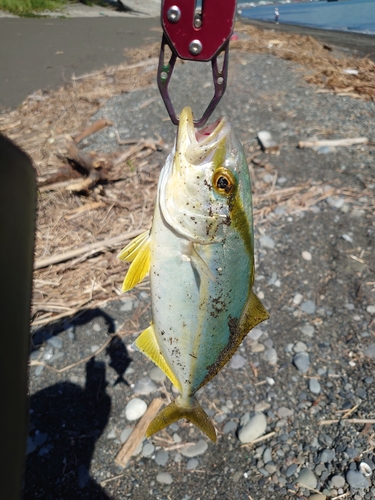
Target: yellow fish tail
<point x="177" y="410"/>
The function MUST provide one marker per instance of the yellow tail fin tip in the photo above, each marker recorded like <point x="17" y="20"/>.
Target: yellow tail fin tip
<point x="175" y="411"/>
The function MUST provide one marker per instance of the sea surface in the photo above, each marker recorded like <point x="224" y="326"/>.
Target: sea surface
<point x="344" y="15"/>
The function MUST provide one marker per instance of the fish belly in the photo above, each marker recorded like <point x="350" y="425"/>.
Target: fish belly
<point x="191" y="311"/>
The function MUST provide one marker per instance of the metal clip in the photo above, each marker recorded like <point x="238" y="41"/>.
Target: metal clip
<point x="196" y="36"/>
<point x="219" y="78"/>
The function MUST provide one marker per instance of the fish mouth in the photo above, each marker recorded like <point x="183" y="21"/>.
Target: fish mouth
<point x="196" y="145"/>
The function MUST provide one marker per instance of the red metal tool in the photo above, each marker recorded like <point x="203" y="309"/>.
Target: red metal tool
<point x="196" y="35"/>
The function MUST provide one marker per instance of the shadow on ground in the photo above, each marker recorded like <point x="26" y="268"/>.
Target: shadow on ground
<point x="69" y="420"/>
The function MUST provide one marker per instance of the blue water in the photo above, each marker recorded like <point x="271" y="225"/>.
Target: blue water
<point x="345" y="15"/>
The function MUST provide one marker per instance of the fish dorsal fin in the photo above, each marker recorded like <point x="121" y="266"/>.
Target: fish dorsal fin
<point x="148" y="345"/>
<point x="138" y="253"/>
<point x="254" y="314"/>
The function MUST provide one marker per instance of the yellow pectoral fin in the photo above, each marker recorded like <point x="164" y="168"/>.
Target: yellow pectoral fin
<point x="148" y="345"/>
<point x="138" y="251"/>
<point x="132" y="249"/>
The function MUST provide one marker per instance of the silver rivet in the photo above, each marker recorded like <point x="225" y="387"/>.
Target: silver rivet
<point x="195" y="47"/>
<point x="197" y="20"/>
<point x="174" y="14"/>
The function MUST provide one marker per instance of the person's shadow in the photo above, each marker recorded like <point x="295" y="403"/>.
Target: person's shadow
<point x="66" y="421"/>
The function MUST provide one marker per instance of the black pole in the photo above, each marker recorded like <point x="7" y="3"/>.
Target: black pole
<point x="17" y="225"/>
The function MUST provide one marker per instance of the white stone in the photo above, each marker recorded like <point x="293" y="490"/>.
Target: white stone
<point x="306" y="255"/>
<point x="370" y="309"/>
<point x="193" y="451"/>
<point x="298" y="297"/>
<point x="135" y="409"/>
<point x="254" y="428"/>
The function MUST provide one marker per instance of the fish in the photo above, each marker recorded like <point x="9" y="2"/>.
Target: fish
<point x="199" y="254"/>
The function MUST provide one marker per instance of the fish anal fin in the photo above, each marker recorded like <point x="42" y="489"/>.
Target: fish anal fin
<point x="253" y="314"/>
<point x="148" y="345"/>
<point x="175" y="411"/>
<point x="139" y="253"/>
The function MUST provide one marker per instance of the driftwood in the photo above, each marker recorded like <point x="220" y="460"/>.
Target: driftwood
<point x="93" y="167"/>
<point x="92" y="129"/>
<point x="138" y="434"/>
<point x="333" y="143"/>
<point x="99" y="246"/>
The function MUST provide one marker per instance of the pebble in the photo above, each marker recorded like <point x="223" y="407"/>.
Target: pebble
<point x="135" y="409"/>
<point x="317" y="496"/>
<point x="307" y="478"/>
<point x="263" y="405"/>
<point x="308" y="306"/>
<point x="162" y="457"/>
<point x="308" y="330"/>
<point x="38" y="370"/>
<point x="314" y="386"/>
<point x="356" y="480"/>
<point x="297" y="299"/>
<point x="337" y="481"/>
<point x="55" y="342"/>
<point x="254" y="428"/>
<point x="255" y="347"/>
<point x="164" y="478"/>
<point x="192" y="464"/>
<point x="370" y="309"/>
<point x="327" y="456"/>
<point x="148" y="449"/>
<point x="370" y="351"/>
<point x="300" y="346"/>
<point x="237" y="476"/>
<point x="266" y="242"/>
<point x="306" y="255"/>
<point x="271" y="356"/>
<point x="284" y="412"/>
<point x="255" y="334"/>
<point x="144" y="386"/>
<point x="291" y="470"/>
<point x="230" y="426"/>
<point x="157" y="375"/>
<point x="176" y="438"/>
<point x="237" y="362"/>
<point x="125" y="434"/>
<point x="111" y="434"/>
<point x="301" y="361"/>
<point x="346" y="237"/>
<point x="193" y="451"/>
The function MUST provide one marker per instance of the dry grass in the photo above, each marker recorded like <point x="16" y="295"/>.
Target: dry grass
<point x="122" y="201"/>
<point x="321" y="66"/>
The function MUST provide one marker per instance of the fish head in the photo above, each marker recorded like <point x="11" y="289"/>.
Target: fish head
<point x="205" y="176"/>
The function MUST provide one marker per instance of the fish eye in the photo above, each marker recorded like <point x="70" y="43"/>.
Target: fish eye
<point x="223" y="181"/>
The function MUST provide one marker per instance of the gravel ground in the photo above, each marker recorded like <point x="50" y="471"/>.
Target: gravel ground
<point x="312" y="361"/>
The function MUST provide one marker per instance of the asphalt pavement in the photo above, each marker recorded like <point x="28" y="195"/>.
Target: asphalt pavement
<point x="44" y="53"/>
